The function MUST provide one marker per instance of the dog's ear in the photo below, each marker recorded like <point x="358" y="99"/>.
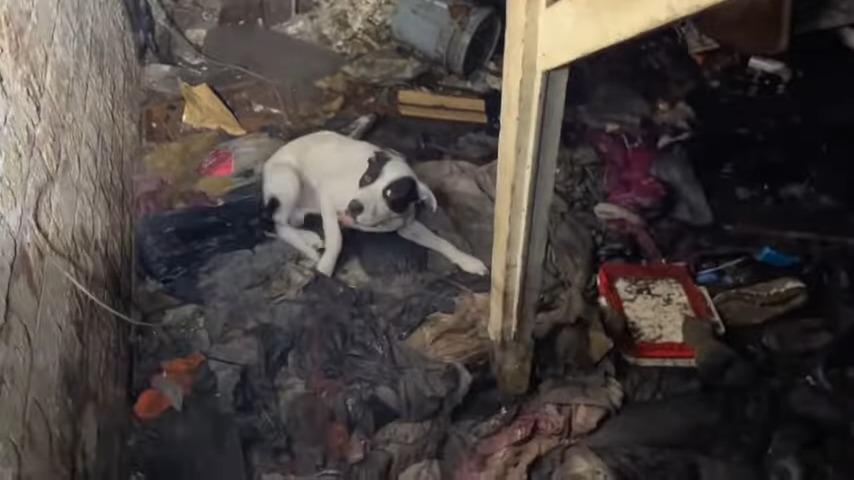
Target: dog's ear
<point x="426" y="195"/>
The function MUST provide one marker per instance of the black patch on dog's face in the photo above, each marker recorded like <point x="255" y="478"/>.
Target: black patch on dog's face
<point x="400" y="194"/>
<point x="375" y="167"/>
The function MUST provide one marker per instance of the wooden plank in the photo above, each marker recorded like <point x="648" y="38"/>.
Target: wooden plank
<point x="521" y="111"/>
<point x="757" y="27"/>
<point x="543" y="192"/>
<point x="427" y="99"/>
<point x="442" y="114"/>
<point x="571" y="29"/>
<point x="527" y="238"/>
<point x="540" y="37"/>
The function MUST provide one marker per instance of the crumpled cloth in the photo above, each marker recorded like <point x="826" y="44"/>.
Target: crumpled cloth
<point x="466" y="195"/>
<point x="399" y="447"/>
<point x="631" y="187"/>
<point x="760" y="302"/>
<point x="717" y="363"/>
<point x="628" y="172"/>
<point x="426" y="470"/>
<point x="583" y="463"/>
<point x="466" y="210"/>
<point x="458" y="337"/>
<point x="579" y="462"/>
<point x="568" y="270"/>
<point x="673" y="167"/>
<point x="509" y="453"/>
<point x="558" y="416"/>
<point x="323" y="359"/>
<point x="347" y="351"/>
<point x="615" y="104"/>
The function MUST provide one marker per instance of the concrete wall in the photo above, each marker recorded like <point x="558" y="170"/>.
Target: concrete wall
<point x="68" y="107"/>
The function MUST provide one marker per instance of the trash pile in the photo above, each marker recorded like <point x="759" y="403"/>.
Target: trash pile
<point x="694" y="317"/>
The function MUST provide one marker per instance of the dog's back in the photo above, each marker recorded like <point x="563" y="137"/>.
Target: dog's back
<point x="323" y="161"/>
<point x="323" y="155"/>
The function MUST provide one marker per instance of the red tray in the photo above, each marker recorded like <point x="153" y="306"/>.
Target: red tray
<point x="609" y="273"/>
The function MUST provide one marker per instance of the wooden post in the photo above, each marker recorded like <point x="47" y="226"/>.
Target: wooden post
<point x="521" y="104"/>
<point x="541" y="37"/>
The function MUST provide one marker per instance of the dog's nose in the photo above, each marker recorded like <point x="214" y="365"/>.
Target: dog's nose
<point x="354" y="208"/>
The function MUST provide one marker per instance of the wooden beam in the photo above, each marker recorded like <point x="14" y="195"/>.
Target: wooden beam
<point x="523" y="200"/>
<point x="429" y="99"/>
<point x="542" y="193"/>
<point x="521" y="104"/>
<point x="542" y="36"/>
<point x="442" y="114"/>
<point x="571" y="29"/>
<point x="531" y="115"/>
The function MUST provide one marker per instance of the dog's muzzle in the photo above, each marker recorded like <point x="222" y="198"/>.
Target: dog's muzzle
<point x="354" y="209"/>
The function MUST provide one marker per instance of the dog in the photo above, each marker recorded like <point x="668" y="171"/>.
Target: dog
<point x="349" y="183"/>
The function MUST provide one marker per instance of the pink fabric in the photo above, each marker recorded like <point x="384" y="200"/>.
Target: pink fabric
<point x="628" y="171"/>
<point x="629" y="183"/>
<point x="500" y="448"/>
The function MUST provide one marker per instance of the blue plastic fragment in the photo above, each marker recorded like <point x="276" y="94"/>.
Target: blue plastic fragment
<point x="775" y="258"/>
<point x="708" y="278"/>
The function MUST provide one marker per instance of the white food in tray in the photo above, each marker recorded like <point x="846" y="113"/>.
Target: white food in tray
<point x="654" y="308"/>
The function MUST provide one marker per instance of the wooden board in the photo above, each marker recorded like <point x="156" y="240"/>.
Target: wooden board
<point x="521" y="110"/>
<point x="572" y="29"/>
<point x="442" y="114"/>
<point x="749" y="26"/>
<point x="427" y="99"/>
<point x="540" y="37"/>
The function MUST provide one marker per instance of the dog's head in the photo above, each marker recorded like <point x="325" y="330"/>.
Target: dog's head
<point x="388" y="194"/>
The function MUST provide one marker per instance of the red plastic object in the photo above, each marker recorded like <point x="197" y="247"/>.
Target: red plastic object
<point x="609" y="273"/>
<point x="220" y="163"/>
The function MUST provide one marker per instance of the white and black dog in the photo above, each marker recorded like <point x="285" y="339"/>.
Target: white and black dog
<point x="351" y="183"/>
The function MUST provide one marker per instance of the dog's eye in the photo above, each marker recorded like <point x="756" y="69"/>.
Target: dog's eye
<point x="400" y="193"/>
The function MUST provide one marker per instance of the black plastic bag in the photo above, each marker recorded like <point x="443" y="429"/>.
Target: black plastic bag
<point x="172" y="246"/>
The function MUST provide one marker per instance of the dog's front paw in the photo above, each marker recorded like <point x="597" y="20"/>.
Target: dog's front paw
<point x="326" y="265"/>
<point x="311" y="239"/>
<point x="473" y="265"/>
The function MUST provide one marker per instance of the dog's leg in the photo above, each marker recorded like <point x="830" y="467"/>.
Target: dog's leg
<point x="332" y="238"/>
<point x="311" y="239"/>
<point x="298" y="239"/>
<point x="283" y="197"/>
<point x="297" y="218"/>
<point x="418" y="233"/>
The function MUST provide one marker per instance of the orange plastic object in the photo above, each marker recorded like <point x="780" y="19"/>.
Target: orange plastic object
<point x="181" y="371"/>
<point x="151" y="404"/>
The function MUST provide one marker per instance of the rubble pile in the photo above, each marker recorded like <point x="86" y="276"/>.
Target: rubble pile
<point x="694" y="319"/>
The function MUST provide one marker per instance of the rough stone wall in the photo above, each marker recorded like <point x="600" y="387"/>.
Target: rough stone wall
<point x="68" y="107"/>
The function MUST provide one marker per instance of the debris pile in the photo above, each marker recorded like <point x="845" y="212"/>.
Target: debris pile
<point x="694" y="316"/>
<point x="349" y="27"/>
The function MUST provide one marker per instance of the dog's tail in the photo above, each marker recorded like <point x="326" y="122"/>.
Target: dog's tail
<point x="270" y="209"/>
